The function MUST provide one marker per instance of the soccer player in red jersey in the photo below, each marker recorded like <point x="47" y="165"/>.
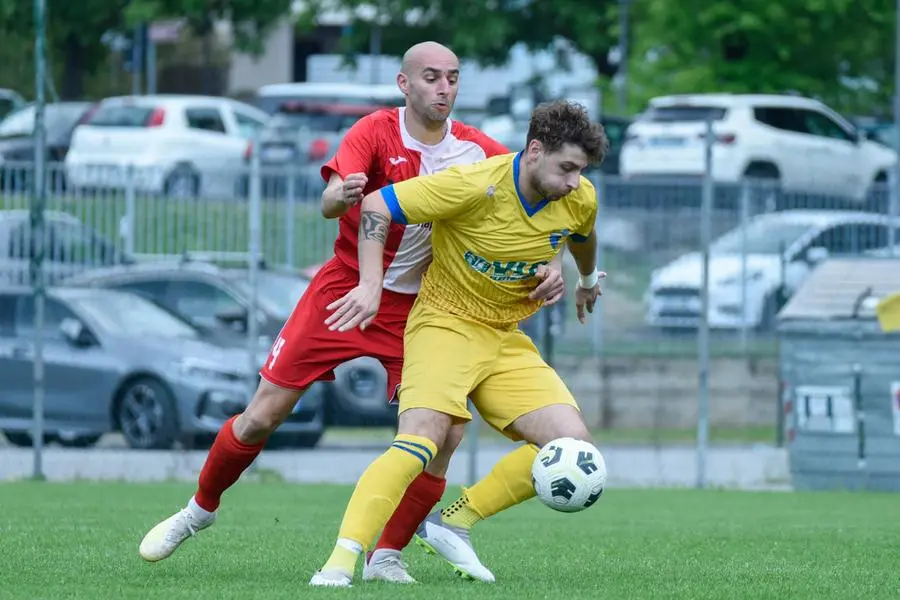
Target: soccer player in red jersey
<point x="382" y="148"/>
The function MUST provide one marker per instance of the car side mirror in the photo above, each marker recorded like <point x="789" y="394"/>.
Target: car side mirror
<point x="235" y="318"/>
<point x="76" y="333"/>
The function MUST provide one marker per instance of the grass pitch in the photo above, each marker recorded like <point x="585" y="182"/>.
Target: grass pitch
<point x="79" y="541"/>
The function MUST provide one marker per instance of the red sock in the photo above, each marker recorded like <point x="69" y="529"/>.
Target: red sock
<point x="227" y="459"/>
<point x="422" y="494"/>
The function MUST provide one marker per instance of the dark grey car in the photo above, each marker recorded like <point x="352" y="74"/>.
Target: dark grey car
<point x="70" y="247"/>
<point x="115" y="361"/>
<point x="217" y="300"/>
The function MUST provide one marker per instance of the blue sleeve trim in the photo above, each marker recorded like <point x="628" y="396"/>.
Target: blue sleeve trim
<point x="393" y="204"/>
<point x="578" y="238"/>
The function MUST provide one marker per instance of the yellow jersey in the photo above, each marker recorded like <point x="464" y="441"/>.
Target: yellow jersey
<point x="487" y="239"/>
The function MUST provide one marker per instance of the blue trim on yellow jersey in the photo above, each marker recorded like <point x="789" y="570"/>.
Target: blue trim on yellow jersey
<point x="529" y="209"/>
<point x="578" y="238"/>
<point x="393" y="204"/>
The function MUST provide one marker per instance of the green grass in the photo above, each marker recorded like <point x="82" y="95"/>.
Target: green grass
<point x="79" y="541"/>
<point x="172" y="226"/>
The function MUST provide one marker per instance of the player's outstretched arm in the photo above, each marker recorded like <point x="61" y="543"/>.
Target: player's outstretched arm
<point x="360" y="305"/>
<point x="584" y="251"/>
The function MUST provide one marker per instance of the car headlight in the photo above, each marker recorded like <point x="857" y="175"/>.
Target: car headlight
<point x="197" y="367"/>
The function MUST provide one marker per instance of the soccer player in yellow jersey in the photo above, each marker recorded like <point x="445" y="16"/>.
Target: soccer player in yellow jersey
<point x="495" y="224"/>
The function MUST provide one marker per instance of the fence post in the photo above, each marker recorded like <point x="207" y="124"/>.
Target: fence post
<point x="745" y="216"/>
<point x="253" y="259"/>
<point x="126" y="225"/>
<point x="597" y="321"/>
<point x="703" y="331"/>
<point x="289" y="208"/>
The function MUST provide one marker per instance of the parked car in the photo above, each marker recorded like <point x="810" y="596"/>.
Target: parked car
<point x="71" y="247"/>
<point x="218" y="300"/>
<point x="779" y="250"/>
<point x="10" y="100"/>
<point x="181" y="146"/>
<point x="298" y="139"/>
<point x="797" y="143"/>
<point x="60" y="119"/>
<point x="115" y="361"/>
<point x="270" y="97"/>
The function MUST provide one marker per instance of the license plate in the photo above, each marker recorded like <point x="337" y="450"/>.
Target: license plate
<point x="278" y="154"/>
<point x="666" y="142"/>
<point x="683" y="303"/>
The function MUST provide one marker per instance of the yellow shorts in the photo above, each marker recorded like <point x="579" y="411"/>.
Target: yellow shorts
<point x="448" y="359"/>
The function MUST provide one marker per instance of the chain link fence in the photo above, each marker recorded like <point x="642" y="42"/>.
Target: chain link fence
<point x="633" y="366"/>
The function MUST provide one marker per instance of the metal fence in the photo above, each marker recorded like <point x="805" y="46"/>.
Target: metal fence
<point x="634" y="366"/>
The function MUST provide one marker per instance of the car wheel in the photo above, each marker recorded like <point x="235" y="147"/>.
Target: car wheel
<point x="183" y="182"/>
<point x="145" y="413"/>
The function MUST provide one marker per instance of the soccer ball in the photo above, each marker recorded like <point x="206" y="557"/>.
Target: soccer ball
<point x="568" y="474"/>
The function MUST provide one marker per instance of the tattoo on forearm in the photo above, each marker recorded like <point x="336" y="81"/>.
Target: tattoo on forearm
<point x="374" y="226"/>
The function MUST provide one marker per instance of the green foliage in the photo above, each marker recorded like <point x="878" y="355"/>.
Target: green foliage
<point x="480" y="30"/>
<point x="812" y="47"/>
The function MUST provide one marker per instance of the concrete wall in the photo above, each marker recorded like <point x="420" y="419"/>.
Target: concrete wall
<point x="662" y="393"/>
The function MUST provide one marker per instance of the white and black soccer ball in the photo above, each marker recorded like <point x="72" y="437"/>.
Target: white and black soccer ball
<point x="569" y="474"/>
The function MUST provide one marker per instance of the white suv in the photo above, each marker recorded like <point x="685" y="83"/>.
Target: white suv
<point x="798" y="142"/>
<point x="176" y="145"/>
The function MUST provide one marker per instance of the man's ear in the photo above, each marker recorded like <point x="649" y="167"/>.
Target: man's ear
<point x="403" y="82"/>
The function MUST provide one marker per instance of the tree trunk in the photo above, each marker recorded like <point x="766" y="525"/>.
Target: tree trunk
<point x="73" y="75"/>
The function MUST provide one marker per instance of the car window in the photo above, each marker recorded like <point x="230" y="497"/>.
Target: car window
<point x="786" y="119"/>
<point x="54" y="313"/>
<point x="199" y="301"/>
<point x="821" y="125"/>
<point x="205" y="119"/>
<point x="152" y="289"/>
<point x="248" y="127"/>
<point x="848" y="238"/>
<point x="7" y="314"/>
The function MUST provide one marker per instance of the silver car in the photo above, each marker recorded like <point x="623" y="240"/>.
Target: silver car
<point x="115" y="361"/>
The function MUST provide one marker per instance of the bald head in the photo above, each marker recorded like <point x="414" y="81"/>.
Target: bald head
<point x="425" y="54"/>
<point x="428" y="78"/>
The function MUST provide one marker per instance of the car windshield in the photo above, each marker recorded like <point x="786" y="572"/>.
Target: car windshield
<point x="278" y="293"/>
<point x="762" y="237"/>
<point x="57" y="118"/>
<point x="130" y="315"/>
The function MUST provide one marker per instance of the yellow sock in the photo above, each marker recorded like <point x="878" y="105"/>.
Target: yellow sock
<point x="379" y="490"/>
<point x="508" y="483"/>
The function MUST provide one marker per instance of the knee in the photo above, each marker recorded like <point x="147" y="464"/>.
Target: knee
<point x="425" y="423"/>
<point x="268" y="409"/>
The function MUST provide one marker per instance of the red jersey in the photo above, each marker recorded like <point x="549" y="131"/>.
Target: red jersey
<point x="380" y="146"/>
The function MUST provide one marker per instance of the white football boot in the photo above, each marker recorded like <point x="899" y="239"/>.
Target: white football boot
<point x="164" y="539"/>
<point x="386" y="565"/>
<point x="453" y="544"/>
<point x="333" y="578"/>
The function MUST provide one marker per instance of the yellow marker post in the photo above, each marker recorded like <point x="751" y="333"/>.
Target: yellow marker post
<point x="888" y="311"/>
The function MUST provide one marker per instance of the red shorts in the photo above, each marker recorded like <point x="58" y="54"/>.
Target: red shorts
<point x="306" y="351"/>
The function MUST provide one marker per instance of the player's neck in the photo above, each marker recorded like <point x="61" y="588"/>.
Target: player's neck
<point x="429" y="134"/>
<point x="531" y="195"/>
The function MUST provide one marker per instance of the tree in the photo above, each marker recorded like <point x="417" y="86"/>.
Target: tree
<point x="838" y="50"/>
<point x="480" y="30"/>
<point x="73" y="34"/>
<point x="75" y="27"/>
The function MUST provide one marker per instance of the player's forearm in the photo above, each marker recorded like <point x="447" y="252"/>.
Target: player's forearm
<point x="332" y="206"/>
<point x="584" y="253"/>
<point x="375" y="221"/>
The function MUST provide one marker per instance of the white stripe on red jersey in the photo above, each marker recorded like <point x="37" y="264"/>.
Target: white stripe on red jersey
<point x="380" y="146"/>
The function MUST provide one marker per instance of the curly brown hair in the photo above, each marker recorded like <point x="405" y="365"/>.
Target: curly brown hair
<point x="563" y="122"/>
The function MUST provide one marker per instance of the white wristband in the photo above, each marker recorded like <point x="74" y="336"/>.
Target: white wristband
<point x="589" y="281"/>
